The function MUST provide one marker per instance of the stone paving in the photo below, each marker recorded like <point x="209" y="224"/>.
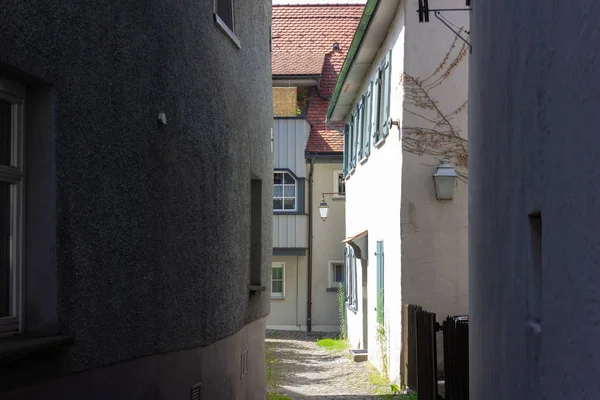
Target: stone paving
<point x="306" y="371"/>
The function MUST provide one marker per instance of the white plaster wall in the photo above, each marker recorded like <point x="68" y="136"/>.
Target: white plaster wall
<point x="289" y="313"/>
<point x="373" y="204"/>
<point x="434" y="233"/>
<point x="327" y="246"/>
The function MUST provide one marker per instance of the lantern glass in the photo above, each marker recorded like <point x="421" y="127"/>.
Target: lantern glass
<point x="323" y="210"/>
<point x="445" y="181"/>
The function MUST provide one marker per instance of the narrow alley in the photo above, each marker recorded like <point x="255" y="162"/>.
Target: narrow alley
<point x="298" y="369"/>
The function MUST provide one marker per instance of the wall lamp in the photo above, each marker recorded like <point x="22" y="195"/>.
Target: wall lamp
<point x="445" y="178"/>
<point x="323" y="207"/>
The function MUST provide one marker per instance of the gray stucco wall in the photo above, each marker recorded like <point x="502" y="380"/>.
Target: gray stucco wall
<point x="152" y="223"/>
<point x="533" y="142"/>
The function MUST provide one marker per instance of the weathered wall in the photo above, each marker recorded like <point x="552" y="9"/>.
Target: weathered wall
<point x="435" y="266"/>
<point x="152" y="221"/>
<point x="289" y="312"/>
<point x="327" y="246"/>
<point x="534" y="95"/>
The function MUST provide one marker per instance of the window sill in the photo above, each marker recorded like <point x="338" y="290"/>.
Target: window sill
<point x="332" y="289"/>
<point x="278" y="298"/>
<point x="17" y="347"/>
<point x="257" y="289"/>
<point x="363" y="160"/>
<point x="291" y="212"/>
<point x="221" y="24"/>
<point x="352" y="308"/>
<point x="349" y="173"/>
<point x="339" y="197"/>
<point x="379" y="143"/>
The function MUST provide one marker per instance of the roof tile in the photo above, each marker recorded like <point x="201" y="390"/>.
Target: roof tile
<point x="303" y="39"/>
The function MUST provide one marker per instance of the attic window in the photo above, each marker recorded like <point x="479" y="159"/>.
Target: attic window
<point x="224" y="18"/>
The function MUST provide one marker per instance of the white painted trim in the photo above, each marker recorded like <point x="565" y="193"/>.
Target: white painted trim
<point x="336" y="173"/>
<point x="282" y="266"/>
<point x="283" y="197"/>
<point x="332" y="273"/>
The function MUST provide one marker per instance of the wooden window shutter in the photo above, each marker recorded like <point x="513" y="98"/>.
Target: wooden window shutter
<point x="368" y="118"/>
<point x="376" y="105"/>
<point x="360" y="130"/>
<point x="386" y="90"/>
<point x="346" y="142"/>
<point x="380" y="283"/>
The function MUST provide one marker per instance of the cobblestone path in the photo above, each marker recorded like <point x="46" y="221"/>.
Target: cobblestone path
<point x="306" y="371"/>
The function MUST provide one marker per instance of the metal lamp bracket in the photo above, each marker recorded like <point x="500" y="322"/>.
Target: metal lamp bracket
<point x="424" y="11"/>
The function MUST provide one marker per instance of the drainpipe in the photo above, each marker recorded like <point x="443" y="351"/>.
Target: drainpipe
<point x="311" y="161"/>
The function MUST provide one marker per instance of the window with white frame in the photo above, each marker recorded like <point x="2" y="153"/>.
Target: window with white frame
<point x="277" y="280"/>
<point x="12" y="163"/>
<point x="336" y="273"/>
<point x="339" y="184"/>
<point x="284" y="191"/>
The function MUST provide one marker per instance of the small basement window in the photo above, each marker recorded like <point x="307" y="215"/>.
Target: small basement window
<point x="225" y="18"/>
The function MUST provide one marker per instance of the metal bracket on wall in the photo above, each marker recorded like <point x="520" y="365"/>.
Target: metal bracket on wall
<point x="424" y="11"/>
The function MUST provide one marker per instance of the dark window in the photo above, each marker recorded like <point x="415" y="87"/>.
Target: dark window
<point x="225" y="12"/>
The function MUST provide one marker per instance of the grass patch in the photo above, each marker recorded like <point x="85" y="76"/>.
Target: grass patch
<point x="277" y="396"/>
<point x="333" y="344"/>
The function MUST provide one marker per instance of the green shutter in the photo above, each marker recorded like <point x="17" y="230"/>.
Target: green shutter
<point x="376" y="105"/>
<point x="380" y="283"/>
<point x="354" y="286"/>
<point x="386" y="90"/>
<point x="368" y="119"/>
<point x="353" y="141"/>
<point x="346" y="141"/>
<point x="360" y="130"/>
<point x="346" y="274"/>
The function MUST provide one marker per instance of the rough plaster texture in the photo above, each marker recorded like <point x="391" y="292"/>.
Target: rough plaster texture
<point x="289" y="312"/>
<point x="534" y="94"/>
<point x="327" y="246"/>
<point x="169" y="376"/>
<point x="434" y="233"/>
<point x="152" y="220"/>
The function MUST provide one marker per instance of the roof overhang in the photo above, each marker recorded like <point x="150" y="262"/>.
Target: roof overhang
<point x="360" y="244"/>
<point x="372" y="31"/>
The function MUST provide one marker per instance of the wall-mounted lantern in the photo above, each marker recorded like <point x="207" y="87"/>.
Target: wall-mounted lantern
<point x="323" y="207"/>
<point x="445" y="180"/>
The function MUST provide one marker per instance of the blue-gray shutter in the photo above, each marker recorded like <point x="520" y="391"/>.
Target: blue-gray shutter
<point x="359" y="132"/>
<point x="368" y="100"/>
<point x="346" y="273"/>
<point x="380" y="283"/>
<point x="353" y="141"/>
<point x="354" y="287"/>
<point x="346" y="154"/>
<point x="376" y="105"/>
<point x="386" y="90"/>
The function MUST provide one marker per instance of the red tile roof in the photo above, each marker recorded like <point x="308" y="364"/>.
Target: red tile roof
<point x="303" y="39"/>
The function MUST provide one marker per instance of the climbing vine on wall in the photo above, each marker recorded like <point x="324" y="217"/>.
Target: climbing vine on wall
<point x="436" y="135"/>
